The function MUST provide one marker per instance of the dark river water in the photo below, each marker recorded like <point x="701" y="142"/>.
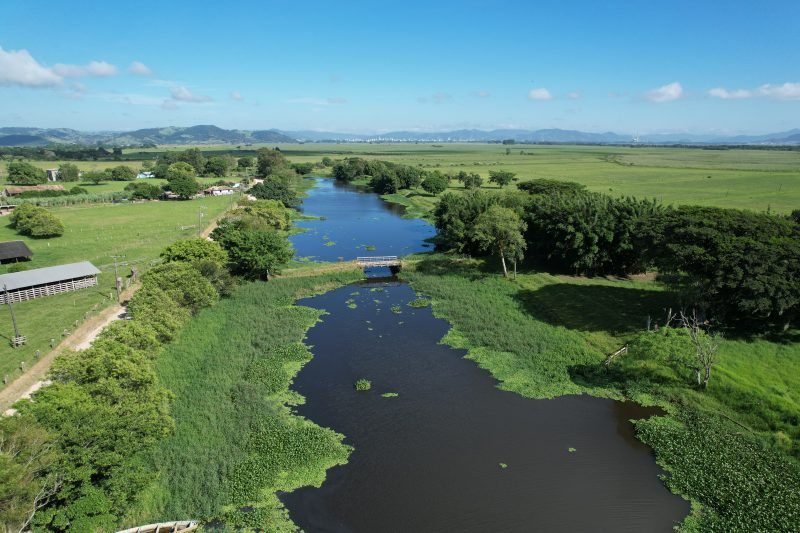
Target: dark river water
<point x="355" y="224"/>
<point x="431" y="458"/>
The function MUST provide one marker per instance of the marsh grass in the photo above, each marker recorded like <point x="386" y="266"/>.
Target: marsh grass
<point x="236" y="441"/>
<point x="363" y="384"/>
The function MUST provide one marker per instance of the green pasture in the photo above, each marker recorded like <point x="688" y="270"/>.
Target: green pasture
<point x="137" y="231"/>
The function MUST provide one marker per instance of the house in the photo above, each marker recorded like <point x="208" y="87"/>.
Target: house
<point x="218" y="190"/>
<point x="52" y="174"/>
<point x="19" y="189"/>
<point x="5" y="209"/>
<point x="145" y="175"/>
<point x="29" y="284"/>
<point x="14" y="251"/>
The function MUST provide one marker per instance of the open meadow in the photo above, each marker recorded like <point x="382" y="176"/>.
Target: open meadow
<point x="134" y="231"/>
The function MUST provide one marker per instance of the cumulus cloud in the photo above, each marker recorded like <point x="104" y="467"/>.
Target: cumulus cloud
<point x="18" y="67"/>
<point x="787" y="91"/>
<point x="574" y="95"/>
<point x="137" y="68"/>
<point x="93" y="68"/>
<point x="484" y="94"/>
<point x="237" y="96"/>
<point x="182" y="94"/>
<point x="539" y="93"/>
<point x="667" y="93"/>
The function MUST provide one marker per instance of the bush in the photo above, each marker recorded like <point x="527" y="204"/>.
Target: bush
<point x="143" y="191"/>
<point x="123" y="173"/>
<point x="274" y="189"/>
<point x="183" y="283"/>
<point x="363" y="384"/>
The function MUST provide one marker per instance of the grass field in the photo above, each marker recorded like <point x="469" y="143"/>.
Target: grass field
<point x="748" y="179"/>
<point x="137" y="231"/>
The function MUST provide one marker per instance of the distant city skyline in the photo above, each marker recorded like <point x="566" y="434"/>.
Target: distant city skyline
<point x="370" y="67"/>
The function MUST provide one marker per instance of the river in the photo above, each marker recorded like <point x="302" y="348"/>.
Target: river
<point x="451" y="451"/>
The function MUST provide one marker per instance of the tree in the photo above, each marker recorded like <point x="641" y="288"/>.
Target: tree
<point x="546" y="186"/>
<point x="123" y="173"/>
<point x="217" y="166"/>
<point x="273" y="189"/>
<point x="27" y="453"/>
<point x="22" y="173"/>
<point x="143" y="191"/>
<point x="705" y="346"/>
<point x="68" y="172"/>
<point x="194" y="250"/>
<point x="36" y="221"/>
<point x="499" y="229"/>
<point x="501" y="177"/>
<point x="181" y="180"/>
<point x="245" y="163"/>
<point x="263" y="215"/>
<point x="303" y="168"/>
<point x="95" y="177"/>
<point x="195" y="158"/>
<point x="435" y="183"/>
<point x="183" y="283"/>
<point x="327" y="161"/>
<point x="253" y="254"/>
<point x="270" y="161"/>
<point x="470" y="180"/>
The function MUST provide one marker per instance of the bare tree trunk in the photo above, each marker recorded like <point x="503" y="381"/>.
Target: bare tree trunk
<point x="503" y="260"/>
<point x="707" y="377"/>
<point x="697" y="374"/>
<point x="515" y="269"/>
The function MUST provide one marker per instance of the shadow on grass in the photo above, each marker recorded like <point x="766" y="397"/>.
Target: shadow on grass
<point x="585" y="307"/>
<point x="453" y="266"/>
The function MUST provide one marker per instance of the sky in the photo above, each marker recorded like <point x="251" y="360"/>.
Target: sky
<point x="720" y="67"/>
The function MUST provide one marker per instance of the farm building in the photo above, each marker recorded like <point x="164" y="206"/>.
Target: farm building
<point x="19" y="189"/>
<point x="52" y="174"/>
<point x="5" y="209"/>
<point x="218" y="190"/>
<point x="145" y="175"/>
<point x="14" y="251"/>
<point x="29" y="284"/>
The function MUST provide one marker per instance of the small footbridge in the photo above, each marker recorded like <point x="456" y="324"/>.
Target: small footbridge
<point x="391" y="261"/>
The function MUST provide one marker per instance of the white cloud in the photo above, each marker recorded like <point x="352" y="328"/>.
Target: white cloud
<point x="236" y="95"/>
<point x="574" y="95"/>
<point x="484" y="94"/>
<point x="787" y="91"/>
<point x="137" y="68"/>
<point x="93" y="68"/>
<point x="539" y="93"/>
<point x="182" y="94"/>
<point x="667" y="93"/>
<point x="18" y="67"/>
<point x="169" y="104"/>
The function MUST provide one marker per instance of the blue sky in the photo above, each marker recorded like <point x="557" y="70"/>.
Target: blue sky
<point x="713" y="66"/>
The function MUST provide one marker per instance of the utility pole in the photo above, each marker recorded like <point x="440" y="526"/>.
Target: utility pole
<point x="117" y="280"/>
<point x="18" y="339"/>
<point x="200" y="220"/>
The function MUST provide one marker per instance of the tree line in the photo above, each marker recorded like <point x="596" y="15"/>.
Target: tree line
<point x="740" y="268"/>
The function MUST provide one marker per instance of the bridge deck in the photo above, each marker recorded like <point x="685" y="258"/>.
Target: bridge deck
<point x="378" y="261"/>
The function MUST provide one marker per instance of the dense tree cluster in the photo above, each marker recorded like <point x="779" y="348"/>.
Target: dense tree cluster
<point x="384" y="177"/>
<point x="85" y="434"/>
<point x="35" y="221"/>
<point x="23" y="173"/>
<point x="741" y="268"/>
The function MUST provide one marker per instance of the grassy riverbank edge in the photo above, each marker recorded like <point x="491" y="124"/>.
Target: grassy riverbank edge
<point x="735" y="480"/>
<point x="237" y="442"/>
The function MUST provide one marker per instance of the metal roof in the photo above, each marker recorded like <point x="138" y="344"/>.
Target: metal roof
<point x="14" y="249"/>
<point x="40" y="276"/>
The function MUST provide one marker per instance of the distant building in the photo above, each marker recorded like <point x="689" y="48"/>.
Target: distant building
<point x="52" y="174"/>
<point x="19" y="189"/>
<point x="5" y="209"/>
<point x="145" y="175"/>
<point x="14" y="251"/>
<point x="218" y="190"/>
<point x="29" y="284"/>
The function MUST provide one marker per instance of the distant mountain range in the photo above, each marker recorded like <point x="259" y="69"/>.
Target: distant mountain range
<point x="214" y="135"/>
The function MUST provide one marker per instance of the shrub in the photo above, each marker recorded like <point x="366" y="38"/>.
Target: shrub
<point x="183" y="283"/>
<point x="363" y="384"/>
<point x="194" y="250"/>
<point x="29" y="219"/>
<point x="22" y="173"/>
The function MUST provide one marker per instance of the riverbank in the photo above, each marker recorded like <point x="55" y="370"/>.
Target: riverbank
<point x="544" y="336"/>
<point x="236" y="442"/>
